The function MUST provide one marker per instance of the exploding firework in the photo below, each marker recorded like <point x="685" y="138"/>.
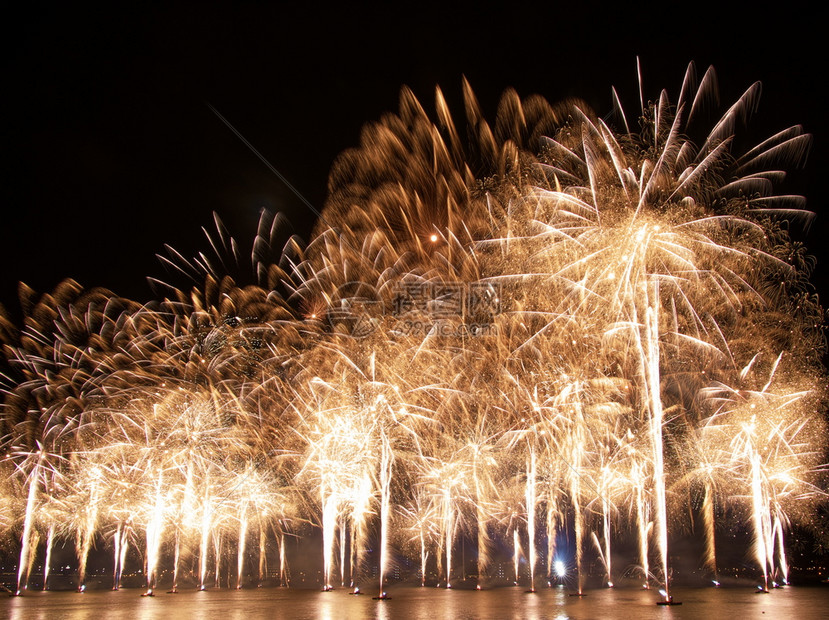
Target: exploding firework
<point x="498" y="333"/>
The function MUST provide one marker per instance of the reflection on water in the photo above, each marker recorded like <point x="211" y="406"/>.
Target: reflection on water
<point x="803" y="603"/>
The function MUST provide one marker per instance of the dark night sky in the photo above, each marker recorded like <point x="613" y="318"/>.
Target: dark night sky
<point x="111" y="150"/>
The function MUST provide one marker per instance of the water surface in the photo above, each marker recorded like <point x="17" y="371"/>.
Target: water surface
<point x="409" y="603"/>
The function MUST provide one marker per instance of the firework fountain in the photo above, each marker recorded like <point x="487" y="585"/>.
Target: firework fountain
<point x="560" y="325"/>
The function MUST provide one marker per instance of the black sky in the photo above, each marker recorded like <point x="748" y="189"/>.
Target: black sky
<point x="111" y="150"/>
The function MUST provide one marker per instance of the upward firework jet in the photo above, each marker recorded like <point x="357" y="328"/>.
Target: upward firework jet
<point x="498" y="332"/>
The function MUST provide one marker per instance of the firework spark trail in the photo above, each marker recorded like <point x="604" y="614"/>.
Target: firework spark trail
<point x="206" y="522"/>
<point x="643" y="522"/>
<point x="117" y="542"/>
<point x="386" y="463"/>
<point x="47" y="562"/>
<point x="530" y="507"/>
<point x="23" y="563"/>
<point x="781" y="550"/>
<point x="153" y="531"/>
<point x="88" y="521"/>
<point x="283" y="575"/>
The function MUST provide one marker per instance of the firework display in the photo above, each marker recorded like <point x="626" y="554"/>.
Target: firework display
<point x="554" y="326"/>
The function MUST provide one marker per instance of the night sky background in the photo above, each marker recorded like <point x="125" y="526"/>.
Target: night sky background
<point x="111" y="150"/>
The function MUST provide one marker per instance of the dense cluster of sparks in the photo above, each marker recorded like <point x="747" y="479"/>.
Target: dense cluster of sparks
<point x="505" y="334"/>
